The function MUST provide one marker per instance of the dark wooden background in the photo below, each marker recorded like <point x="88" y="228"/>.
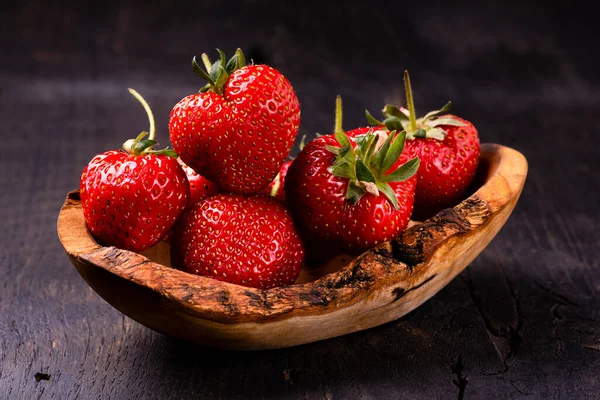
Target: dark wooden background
<point x="523" y="321"/>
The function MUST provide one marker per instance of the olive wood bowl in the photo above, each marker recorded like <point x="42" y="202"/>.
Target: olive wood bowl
<point x="342" y="296"/>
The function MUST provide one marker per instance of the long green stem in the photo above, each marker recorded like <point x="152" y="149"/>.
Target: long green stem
<point x="409" y="101"/>
<point x="338" y="114"/>
<point x="148" y="111"/>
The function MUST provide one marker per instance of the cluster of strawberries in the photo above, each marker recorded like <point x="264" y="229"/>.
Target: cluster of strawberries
<point x="234" y="209"/>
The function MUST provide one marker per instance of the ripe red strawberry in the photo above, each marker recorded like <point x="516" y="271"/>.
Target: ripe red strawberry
<point x="200" y="187"/>
<point x="241" y="126"/>
<point x="448" y="147"/>
<point x="132" y="198"/>
<point x="247" y="240"/>
<point x="276" y="187"/>
<point x="350" y="191"/>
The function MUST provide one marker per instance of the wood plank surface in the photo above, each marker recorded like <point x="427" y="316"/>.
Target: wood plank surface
<point x="522" y="321"/>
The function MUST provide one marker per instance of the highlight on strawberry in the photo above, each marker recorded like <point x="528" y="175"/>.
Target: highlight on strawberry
<point x="239" y="129"/>
<point x="132" y="197"/>
<point x="351" y="190"/>
<point x="447" y="145"/>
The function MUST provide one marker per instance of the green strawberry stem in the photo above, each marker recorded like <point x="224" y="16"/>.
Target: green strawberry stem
<point x="410" y="102"/>
<point x="431" y="126"/>
<point x="216" y="74"/>
<point x="148" y="112"/>
<point x="338" y="114"/>
<point x="140" y="145"/>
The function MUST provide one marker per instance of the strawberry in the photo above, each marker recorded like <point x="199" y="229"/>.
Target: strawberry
<point x="349" y="191"/>
<point x="200" y="187"/>
<point x="241" y="126"/>
<point x="132" y="198"/>
<point x="448" y="147"/>
<point x="246" y="240"/>
<point x="276" y="187"/>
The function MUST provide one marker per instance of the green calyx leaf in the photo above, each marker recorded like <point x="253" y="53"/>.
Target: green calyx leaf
<point x="163" y="152"/>
<point x="388" y="192"/>
<point x="363" y="173"/>
<point x="200" y="72"/>
<point x="419" y="133"/>
<point x="141" y="146"/>
<point x="432" y="133"/>
<point x="372" y="120"/>
<point x="343" y="171"/>
<point x="393" y="152"/>
<point x="343" y="140"/>
<point x="394" y="124"/>
<point x="216" y="74"/>
<point x="393" y="111"/>
<point x="437" y="113"/>
<point x="354" y="192"/>
<point x="215" y="70"/>
<point x="404" y="172"/>
<point x="236" y="62"/>
<point x="369" y="165"/>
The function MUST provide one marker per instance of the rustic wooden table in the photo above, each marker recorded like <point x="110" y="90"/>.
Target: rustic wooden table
<point x="523" y="321"/>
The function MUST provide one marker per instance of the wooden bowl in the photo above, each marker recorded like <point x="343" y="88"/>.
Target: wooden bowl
<point x="343" y="296"/>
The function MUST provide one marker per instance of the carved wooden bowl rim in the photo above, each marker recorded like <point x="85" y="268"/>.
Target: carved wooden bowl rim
<point x="504" y="171"/>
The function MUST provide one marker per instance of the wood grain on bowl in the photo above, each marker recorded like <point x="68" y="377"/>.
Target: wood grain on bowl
<point x="379" y="286"/>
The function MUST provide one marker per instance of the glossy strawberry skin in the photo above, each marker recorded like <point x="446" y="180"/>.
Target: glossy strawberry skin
<point x="200" y="187"/>
<point x="238" y="140"/>
<point x="447" y="167"/>
<point x="246" y="240"/>
<point x="131" y="201"/>
<point x="278" y="183"/>
<point x="330" y="224"/>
